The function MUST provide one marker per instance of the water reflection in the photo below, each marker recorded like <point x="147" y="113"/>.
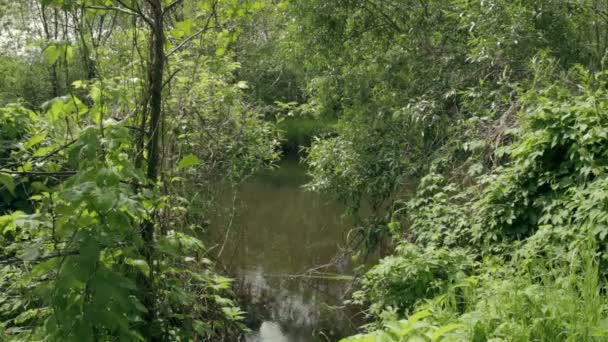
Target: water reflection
<point x="281" y="232"/>
<point x="269" y="331"/>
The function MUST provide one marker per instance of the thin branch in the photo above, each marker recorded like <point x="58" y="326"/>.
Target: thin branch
<point x="41" y="158"/>
<point x="137" y="10"/>
<point x="189" y="39"/>
<point x="10" y="261"/>
<point x="113" y="8"/>
<point x="127" y="11"/>
<point x="64" y="254"/>
<point x="386" y="17"/>
<point x="170" y="78"/>
<point x="171" y="6"/>
<point x="39" y="173"/>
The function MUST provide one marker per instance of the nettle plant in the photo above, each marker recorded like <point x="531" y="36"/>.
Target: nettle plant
<point x="69" y="263"/>
<point x="71" y="260"/>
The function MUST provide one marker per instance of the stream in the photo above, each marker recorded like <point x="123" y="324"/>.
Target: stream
<point x="275" y="248"/>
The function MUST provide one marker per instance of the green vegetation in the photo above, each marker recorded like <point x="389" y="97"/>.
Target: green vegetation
<point x="100" y="230"/>
<point x="299" y="132"/>
<point x="119" y="118"/>
<point x="498" y="109"/>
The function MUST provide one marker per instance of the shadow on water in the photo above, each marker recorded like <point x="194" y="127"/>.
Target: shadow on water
<point x="281" y="233"/>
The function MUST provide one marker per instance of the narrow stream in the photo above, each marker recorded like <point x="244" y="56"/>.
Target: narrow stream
<point x="281" y="233"/>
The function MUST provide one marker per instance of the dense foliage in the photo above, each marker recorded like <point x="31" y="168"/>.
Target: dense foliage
<point x="497" y="109"/>
<point x="119" y="118"/>
<point x="98" y="240"/>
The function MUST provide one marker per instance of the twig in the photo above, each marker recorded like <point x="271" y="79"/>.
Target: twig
<point x="9" y="261"/>
<point x="40" y="259"/>
<point x="39" y="173"/>
<point x="170" y="78"/>
<point x="109" y="8"/>
<point x="229" y="224"/>
<point x="42" y="158"/>
<point x="171" y="6"/>
<point x="189" y="39"/>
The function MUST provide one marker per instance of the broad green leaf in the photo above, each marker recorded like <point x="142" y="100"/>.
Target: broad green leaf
<point x="79" y="84"/>
<point x="201" y="327"/>
<point x="27" y="315"/>
<point x="35" y="140"/>
<point x="104" y="199"/>
<point x="138" y="305"/>
<point x="7" y="182"/>
<point x="140" y="264"/>
<point x="188" y="161"/>
<point x="439" y="333"/>
<point x="87" y="257"/>
<point x="185" y="26"/>
<point x="69" y="53"/>
<point x="418" y="316"/>
<point x="52" y="53"/>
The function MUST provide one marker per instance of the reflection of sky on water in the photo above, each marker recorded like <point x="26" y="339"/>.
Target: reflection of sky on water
<point x="269" y="331"/>
<point x="284" y="305"/>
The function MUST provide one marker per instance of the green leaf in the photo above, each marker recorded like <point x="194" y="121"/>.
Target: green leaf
<point x="27" y="316"/>
<point x="104" y="200"/>
<point x="188" y="161"/>
<point x="56" y="110"/>
<point x="185" y="26"/>
<point x="88" y="256"/>
<point x="394" y="226"/>
<point x="201" y="327"/>
<point x="79" y="84"/>
<point x="69" y="53"/>
<point x="439" y="333"/>
<point x="419" y="315"/>
<point x="52" y="53"/>
<point x="140" y="264"/>
<point x="35" y="140"/>
<point x="138" y="305"/>
<point x="7" y="182"/>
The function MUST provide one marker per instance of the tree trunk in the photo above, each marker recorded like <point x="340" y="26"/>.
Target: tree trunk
<point x="155" y="81"/>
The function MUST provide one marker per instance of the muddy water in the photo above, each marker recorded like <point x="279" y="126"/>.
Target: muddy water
<point x="276" y="248"/>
